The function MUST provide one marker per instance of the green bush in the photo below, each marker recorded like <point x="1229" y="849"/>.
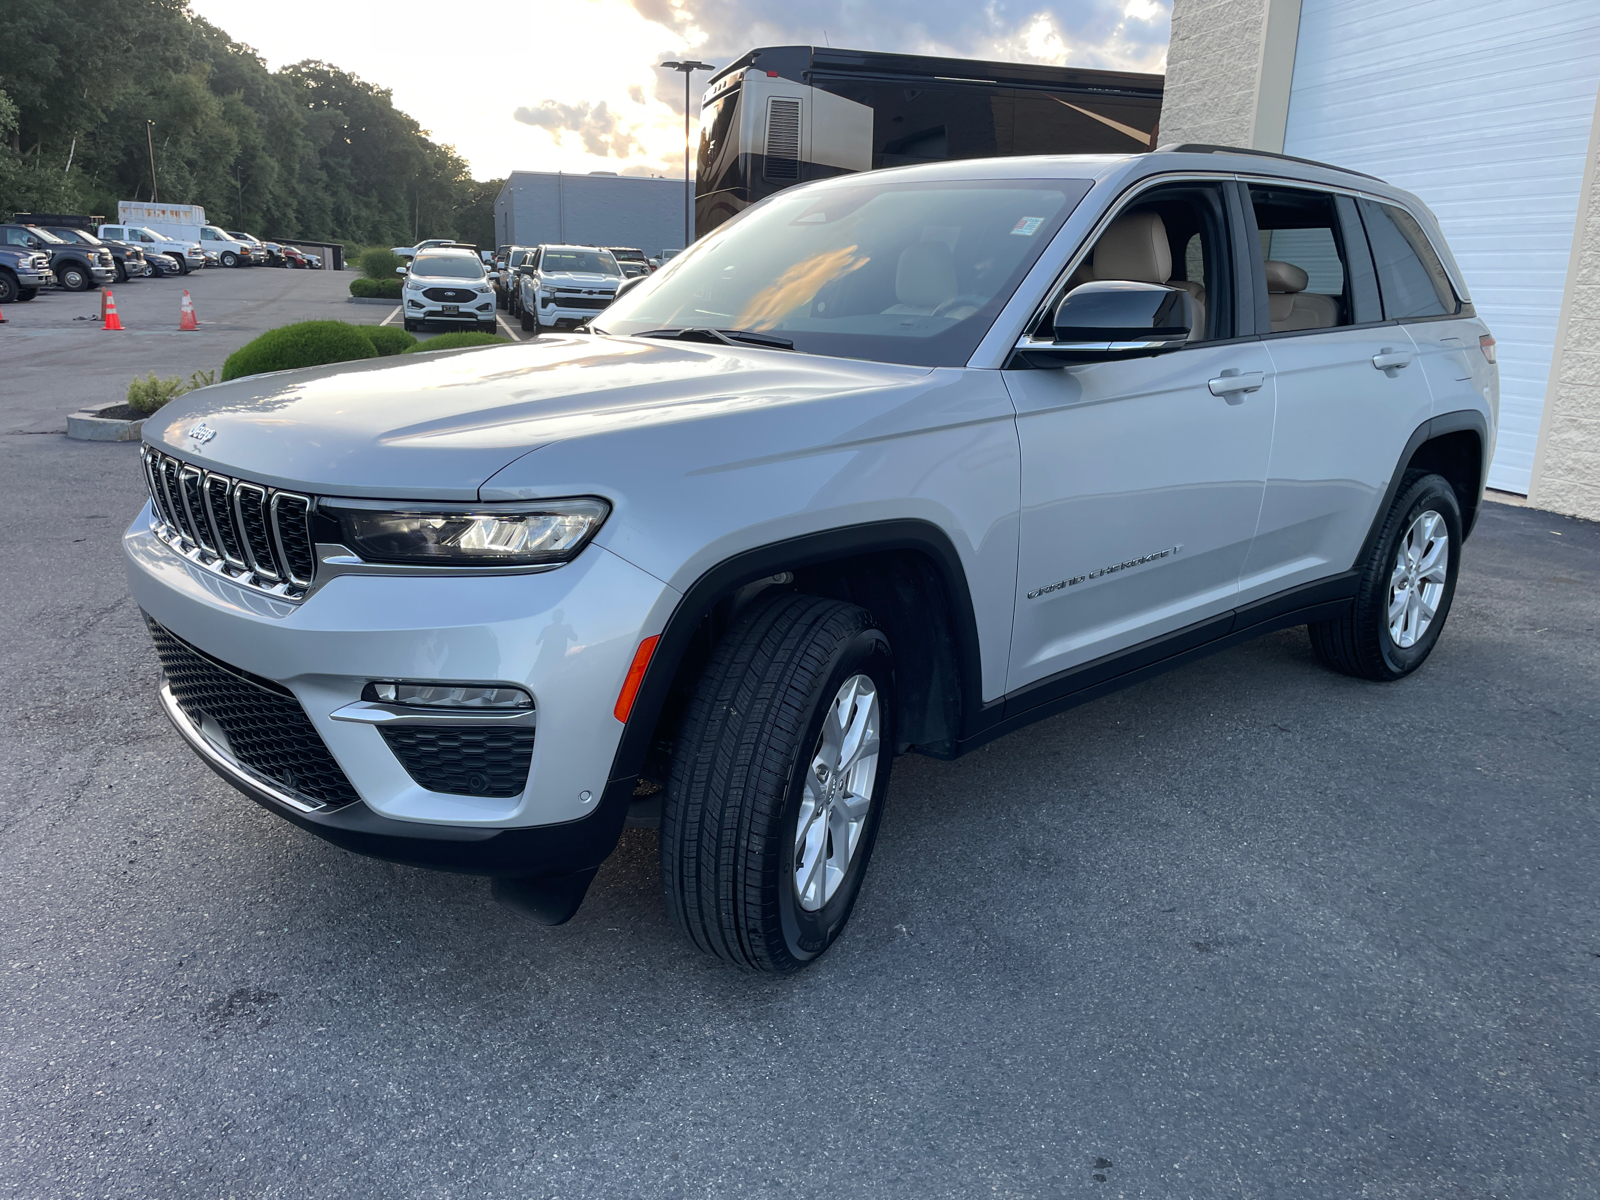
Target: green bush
<point x="377" y="289"/>
<point x="148" y="394"/>
<point x="386" y="339"/>
<point x="456" y="341"/>
<point x="379" y="263"/>
<point x="306" y="344"/>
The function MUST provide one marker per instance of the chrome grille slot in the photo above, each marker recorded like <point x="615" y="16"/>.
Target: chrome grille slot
<point x="189" y="479"/>
<point x="289" y="531"/>
<point x="250" y="506"/>
<point x="220" y="510"/>
<point x="256" y="536"/>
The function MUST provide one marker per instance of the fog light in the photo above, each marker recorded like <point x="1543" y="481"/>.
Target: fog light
<point x="446" y="695"/>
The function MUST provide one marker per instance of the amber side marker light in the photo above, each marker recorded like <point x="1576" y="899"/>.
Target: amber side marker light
<point x="630" y="685"/>
<point x="1486" y="344"/>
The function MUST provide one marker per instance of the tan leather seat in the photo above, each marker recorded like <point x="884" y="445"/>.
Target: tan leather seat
<point x="1294" y="308"/>
<point x="1136" y="248"/>
<point x="924" y="278"/>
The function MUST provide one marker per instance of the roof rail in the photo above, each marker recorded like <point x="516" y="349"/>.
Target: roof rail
<point x="1203" y="148"/>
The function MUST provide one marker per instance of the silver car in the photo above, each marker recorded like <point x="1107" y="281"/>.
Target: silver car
<point x="896" y="461"/>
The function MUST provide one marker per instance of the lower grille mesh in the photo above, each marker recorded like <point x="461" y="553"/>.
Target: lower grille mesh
<point x="464" y="760"/>
<point x="266" y="728"/>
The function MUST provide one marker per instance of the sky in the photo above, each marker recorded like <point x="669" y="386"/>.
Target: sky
<point x="573" y="85"/>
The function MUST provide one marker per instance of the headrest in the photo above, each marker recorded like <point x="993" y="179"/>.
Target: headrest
<point x="926" y="276"/>
<point x="1285" y="277"/>
<point x="1136" y="248"/>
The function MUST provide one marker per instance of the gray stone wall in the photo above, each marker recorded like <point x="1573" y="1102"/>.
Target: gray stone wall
<point x="1566" y="467"/>
<point x="1213" y="71"/>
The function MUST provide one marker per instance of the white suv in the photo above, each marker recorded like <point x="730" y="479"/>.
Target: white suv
<point x="449" y="287"/>
<point x="896" y="461"/>
<point x="566" y="287"/>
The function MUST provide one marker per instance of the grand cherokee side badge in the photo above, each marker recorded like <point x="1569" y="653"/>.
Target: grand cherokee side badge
<point x="1112" y="569"/>
<point x="202" y="433"/>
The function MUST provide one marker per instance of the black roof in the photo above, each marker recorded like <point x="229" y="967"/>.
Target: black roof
<point x="803" y="64"/>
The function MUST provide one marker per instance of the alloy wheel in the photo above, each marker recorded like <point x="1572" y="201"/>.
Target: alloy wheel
<point x="837" y="794"/>
<point x="1416" y="585"/>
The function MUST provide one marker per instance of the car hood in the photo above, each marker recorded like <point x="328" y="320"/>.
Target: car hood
<point x="441" y="280"/>
<point x="579" y="279"/>
<point x="436" y="426"/>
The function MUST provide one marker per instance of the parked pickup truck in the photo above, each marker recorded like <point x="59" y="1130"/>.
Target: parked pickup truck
<point x="23" y="271"/>
<point x="130" y="260"/>
<point x="77" y="267"/>
<point x="184" y="256"/>
<point x="902" y="461"/>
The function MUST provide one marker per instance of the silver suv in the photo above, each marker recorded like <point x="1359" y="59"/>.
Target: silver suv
<point x="898" y="461"/>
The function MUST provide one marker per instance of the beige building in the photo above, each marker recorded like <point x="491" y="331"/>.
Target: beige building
<point x="1488" y="114"/>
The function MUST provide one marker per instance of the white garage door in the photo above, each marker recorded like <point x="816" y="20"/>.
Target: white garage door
<point x="1483" y="108"/>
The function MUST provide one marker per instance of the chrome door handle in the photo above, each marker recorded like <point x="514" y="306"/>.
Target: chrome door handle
<point x="1229" y="383"/>
<point x="1391" y="360"/>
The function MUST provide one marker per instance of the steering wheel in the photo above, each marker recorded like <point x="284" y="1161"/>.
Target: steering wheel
<point x="972" y="298"/>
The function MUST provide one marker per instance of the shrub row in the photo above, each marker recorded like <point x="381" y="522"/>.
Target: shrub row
<point x="455" y="341"/>
<point x="313" y="343"/>
<point x="376" y="289"/>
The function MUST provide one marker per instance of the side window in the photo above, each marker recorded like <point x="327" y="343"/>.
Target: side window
<point x="115" y="234"/>
<point x="1307" y="278"/>
<point x="1177" y="235"/>
<point x="1410" y="275"/>
<point x="16" y="236"/>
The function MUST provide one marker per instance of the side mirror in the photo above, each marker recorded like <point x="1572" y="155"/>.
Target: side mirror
<point x="1112" y="318"/>
<point x="629" y="284"/>
<point x="400" y="270"/>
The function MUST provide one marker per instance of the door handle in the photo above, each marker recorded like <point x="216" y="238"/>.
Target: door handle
<point x="1233" y="381"/>
<point x="1391" y="360"/>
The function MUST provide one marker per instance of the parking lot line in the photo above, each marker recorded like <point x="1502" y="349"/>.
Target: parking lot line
<point x="391" y="316"/>
<point x="516" y="334"/>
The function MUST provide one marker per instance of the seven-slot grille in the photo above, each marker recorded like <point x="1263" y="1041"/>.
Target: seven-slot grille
<point x="254" y="535"/>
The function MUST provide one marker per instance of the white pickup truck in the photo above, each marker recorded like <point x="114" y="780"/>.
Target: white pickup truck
<point x="159" y="248"/>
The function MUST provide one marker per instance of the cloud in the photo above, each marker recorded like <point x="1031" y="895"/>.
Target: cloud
<point x="600" y="129"/>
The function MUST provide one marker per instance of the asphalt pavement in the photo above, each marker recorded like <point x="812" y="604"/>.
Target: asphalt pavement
<point x="1252" y="929"/>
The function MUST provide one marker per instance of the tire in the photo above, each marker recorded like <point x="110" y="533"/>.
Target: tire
<point x="26" y="294"/>
<point x="488" y="327"/>
<point x="1363" y="642"/>
<point x="742" y="774"/>
<point x="122" y="273"/>
<point x="74" y="278"/>
<point x="10" y="291"/>
<point x="530" y="323"/>
<point x="183" y="264"/>
<point x="230" y="259"/>
<point x="412" y="326"/>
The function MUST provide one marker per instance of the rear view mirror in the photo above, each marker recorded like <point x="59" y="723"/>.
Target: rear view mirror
<point x="1111" y="318"/>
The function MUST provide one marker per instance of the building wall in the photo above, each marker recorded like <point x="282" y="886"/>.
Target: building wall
<point x="1231" y="72"/>
<point x="537" y="207"/>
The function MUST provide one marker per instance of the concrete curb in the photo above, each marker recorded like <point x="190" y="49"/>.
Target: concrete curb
<point x="372" y="300"/>
<point x="89" y="426"/>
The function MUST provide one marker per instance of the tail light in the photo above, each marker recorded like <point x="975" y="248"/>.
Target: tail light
<point x="1486" y="344"/>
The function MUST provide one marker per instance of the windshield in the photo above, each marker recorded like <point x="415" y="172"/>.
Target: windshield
<point x="896" y="272"/>
<point x="148" y="235"/>
<point x="44" y="235"/>
<point x="447" y="266"/>
<point x="77" y="235"/>
<point x="590" y="262"/>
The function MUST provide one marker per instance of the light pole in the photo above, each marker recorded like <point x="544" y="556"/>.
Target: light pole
<point x="688" y="66"/>
<point x="149" y="141"/>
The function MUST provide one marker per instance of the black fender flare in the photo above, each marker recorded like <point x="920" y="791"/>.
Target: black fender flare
<point x="788" y="555"/>
<point x="1467" y="420"/>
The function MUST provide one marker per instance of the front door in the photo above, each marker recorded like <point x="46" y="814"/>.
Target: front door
<point x="1141" y="478"/>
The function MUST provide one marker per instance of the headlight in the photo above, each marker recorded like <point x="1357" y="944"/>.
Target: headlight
<point x="484" y="291"/>
<point x="484" y="535"/>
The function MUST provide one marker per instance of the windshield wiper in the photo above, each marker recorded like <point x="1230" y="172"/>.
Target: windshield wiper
<point x="725" y="337"/>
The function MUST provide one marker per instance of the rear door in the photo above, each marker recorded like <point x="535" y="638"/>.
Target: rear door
<point x="1142" y="477"/>
<point x="1350" y="391"/>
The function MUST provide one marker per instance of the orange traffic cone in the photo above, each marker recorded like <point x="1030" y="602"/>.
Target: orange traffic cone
<point x="186" y="317"/>
<point x="109" y="303"/>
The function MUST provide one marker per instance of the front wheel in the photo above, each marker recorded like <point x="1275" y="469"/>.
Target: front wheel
<point x="74" y="278"/>
<point x="122" y="273"/>
<point x="26" y="294"/>
<point x="530" y="322"/>
<point x="488" y="327"/>
<point x="230" y="259"/>
<point x="9" y="289"/>
<point x="412" y="326"/>
<point x="1407" y="582"/>
<point x="183" y="264"/>
<point x="778" y="782"/>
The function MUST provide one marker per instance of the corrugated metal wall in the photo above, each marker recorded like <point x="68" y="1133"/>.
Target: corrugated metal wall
<point x="1483" y="109"/>
<point x="536" y="207"/>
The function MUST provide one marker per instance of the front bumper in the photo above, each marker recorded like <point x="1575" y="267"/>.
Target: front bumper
<point x="103" y="274"/>
<point x="566" y="635"/>
<point x="36" y="279"/>
<point x="480" y="310"/>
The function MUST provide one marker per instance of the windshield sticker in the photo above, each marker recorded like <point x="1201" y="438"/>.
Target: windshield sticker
<point x="1027" y="226"/>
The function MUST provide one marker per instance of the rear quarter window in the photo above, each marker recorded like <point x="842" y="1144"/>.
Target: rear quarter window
<point x="1410" y="275"/>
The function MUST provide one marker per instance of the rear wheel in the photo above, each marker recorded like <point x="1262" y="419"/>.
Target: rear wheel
<point x="1407" y="583"/>
<point x="26" y="294"/>
<point x="778" y="782"/>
